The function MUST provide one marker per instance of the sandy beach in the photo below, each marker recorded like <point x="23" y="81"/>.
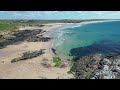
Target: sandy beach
<point x="32" y="68"/>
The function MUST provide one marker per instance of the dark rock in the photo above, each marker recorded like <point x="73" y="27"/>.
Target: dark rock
<point x="86" y="66"/>
<point x="116" y="69"/>
<point x="97" y="67"/>
<point x="2" y="61"/>
<point x="24" y="35"/>
<point x="28" y="55"/>
<point x="46" y="65"/>
<point x="1" y="36"/>
<point x="36" y="39"/>
<point x="53" y="50"/>
<point x="44" y="59"/>
<point x="38" y="25"/>
<point x="119" y="65"/>
<point x="63" y="65"/>
<point x="100" y="66"/>
<point x="105" y="61"/>
<point x="75" y="58"/>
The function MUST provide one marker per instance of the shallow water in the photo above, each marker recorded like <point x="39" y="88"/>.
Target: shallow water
<point x="91" y="38"/>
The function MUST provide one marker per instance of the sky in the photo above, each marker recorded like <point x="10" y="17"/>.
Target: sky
<point x="56" y="15"/>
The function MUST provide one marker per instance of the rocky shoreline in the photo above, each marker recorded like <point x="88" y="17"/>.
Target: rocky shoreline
<point x="28" y="55"/>
<point x="98" y="66"/>
<point x="17" y="37"/>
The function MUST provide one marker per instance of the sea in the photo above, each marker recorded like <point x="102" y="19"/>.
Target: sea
<point x="85" y="39"/>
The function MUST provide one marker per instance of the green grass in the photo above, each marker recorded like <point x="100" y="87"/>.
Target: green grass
<point x="7" y="25"/>
<point x="57" y="61"/>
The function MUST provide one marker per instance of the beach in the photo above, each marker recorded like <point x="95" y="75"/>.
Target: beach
<point x="32" y="68"/>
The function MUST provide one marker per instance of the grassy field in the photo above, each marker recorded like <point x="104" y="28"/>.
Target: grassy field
<point x="7" y="25"/>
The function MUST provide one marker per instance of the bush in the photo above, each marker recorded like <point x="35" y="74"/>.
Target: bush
<point x="57" y="61"/>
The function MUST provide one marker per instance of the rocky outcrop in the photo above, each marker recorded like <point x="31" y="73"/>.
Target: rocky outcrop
<point x="63" y="65"/>
<point x="98" y="66"/>
<point x="39" y="25"/>
<point x="53" y="50"/>
<point x="86" y="66"/>
<point x="28" y="55"/>
<point x="24" y="35"/>
<point x="36" y="39"/>
<point x="110" y="68"/>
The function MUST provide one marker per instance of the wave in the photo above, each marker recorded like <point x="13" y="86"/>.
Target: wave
<point x="60" y="38"/>
<point x="60" y="42"/>
<point x="72" y="25"/>
<point x="60" y="34"/>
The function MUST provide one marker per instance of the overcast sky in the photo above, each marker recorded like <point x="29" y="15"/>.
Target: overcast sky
<point x="59" y="15"/>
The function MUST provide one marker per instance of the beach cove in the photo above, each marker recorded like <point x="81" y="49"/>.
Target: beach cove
<point x="33" y="68"/>
<point x="81" y="35"/>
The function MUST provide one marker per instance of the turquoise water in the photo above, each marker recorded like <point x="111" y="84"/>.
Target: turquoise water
<point x="89" y="36"/>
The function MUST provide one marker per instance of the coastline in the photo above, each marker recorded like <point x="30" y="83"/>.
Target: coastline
<point x="32" y="68"/>
<point x="72" y="25"/>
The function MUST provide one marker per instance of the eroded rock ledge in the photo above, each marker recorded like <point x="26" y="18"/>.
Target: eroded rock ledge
<point x="98" y="66"/>
<point x="14" y="38"/>
<point x="29" y="55"/>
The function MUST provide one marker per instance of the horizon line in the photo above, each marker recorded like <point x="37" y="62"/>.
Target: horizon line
<point x="59" y="19"/>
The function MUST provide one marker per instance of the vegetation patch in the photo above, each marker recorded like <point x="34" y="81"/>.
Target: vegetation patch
<point x="7" y="26"/>
<point x="57" y="61"/>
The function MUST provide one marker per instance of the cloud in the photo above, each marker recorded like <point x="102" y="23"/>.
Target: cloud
<point x="59" y="14"/>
